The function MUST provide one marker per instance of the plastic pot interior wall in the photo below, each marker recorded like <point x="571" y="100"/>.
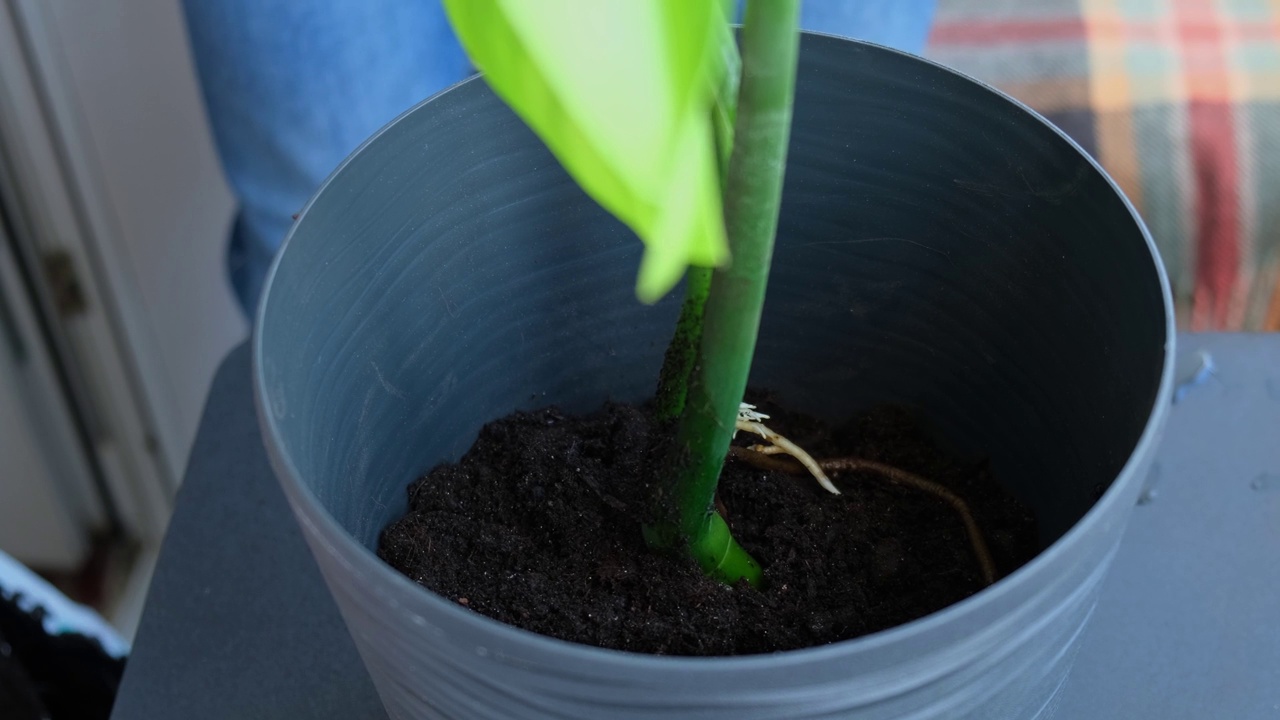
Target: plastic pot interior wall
<point x="939" y="247"/>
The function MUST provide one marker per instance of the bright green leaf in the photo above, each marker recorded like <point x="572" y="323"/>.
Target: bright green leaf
<point x="622" y="92"/>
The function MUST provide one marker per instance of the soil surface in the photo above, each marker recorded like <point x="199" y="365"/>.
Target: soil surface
<point x="539" y="526"/>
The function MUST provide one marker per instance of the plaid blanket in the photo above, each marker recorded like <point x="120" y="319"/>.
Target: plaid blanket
<point x="1180" y="101"/>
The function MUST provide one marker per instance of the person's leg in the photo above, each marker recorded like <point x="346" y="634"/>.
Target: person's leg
<point x="293" y="87"/>
<point x="900" y="24"/>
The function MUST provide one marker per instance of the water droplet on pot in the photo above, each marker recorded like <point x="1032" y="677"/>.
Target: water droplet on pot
<point x="1265" y="482"/>
<point x="1149" y="491"/>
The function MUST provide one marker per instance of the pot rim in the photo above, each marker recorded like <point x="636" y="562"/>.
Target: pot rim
<point x="324" y="525"/>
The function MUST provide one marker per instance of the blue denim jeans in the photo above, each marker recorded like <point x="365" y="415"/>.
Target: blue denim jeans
<point x="293" y="86"/>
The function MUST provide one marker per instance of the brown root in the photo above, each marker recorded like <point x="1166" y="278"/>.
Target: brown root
<point x="895" y="475"/>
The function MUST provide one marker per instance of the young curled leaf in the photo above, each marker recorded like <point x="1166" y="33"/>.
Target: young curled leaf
<point x="622" y="92"/>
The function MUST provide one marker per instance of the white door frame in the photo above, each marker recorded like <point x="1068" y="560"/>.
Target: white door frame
<point x="53" y="205"/>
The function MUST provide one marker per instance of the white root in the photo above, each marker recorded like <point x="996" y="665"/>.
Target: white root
<point x="747" y="412"/>
<point x="749" y="421"/>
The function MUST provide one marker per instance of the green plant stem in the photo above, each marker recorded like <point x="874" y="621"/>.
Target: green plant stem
<point x="753" y="192"/>
<point x="682" y="353"/>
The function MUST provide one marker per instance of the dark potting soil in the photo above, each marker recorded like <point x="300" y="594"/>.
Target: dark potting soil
<point x="539" y="526"/>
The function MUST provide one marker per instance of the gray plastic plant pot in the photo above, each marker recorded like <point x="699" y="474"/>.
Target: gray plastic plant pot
<point x="940" y="246"/>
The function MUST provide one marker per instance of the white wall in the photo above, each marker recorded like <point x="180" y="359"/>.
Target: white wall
<point x="43" y="474"/>
<point x="36" y="524"/>
<point x="146" y="150"/>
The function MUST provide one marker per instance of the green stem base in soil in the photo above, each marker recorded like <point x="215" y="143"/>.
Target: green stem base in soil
<point x="714" y="548"/>
<point x="731" y="320"/>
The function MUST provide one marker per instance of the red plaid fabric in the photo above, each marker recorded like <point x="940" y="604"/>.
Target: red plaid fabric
<point x="1180" y="101"/>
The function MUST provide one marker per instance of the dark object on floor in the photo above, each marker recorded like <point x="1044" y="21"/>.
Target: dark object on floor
<point x="539" y="526"/>
<point x="18" y="698"/>
<point x="60" y="677"/>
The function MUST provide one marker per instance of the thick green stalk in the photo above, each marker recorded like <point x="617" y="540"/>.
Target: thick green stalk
<point x="682" y="352"/>
<point x="753" y="192"/>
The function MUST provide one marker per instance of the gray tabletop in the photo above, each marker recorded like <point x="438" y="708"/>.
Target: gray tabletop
<point x="238" y="623"/>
